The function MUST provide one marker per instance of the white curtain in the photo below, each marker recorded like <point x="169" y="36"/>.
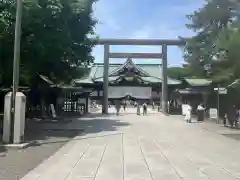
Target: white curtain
<point x="137" y="92"/>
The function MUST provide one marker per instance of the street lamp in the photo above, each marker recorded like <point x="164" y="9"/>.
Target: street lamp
<point x="16" y="63"/>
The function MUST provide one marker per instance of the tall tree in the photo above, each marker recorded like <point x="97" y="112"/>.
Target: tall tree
<point x="205" y="52"/>
<point x="54" y="38"/>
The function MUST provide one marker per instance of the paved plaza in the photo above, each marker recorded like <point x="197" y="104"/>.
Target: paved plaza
<point x="152" y="147"/>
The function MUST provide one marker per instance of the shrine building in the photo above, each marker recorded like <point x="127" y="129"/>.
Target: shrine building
<point x="127" y="80"/>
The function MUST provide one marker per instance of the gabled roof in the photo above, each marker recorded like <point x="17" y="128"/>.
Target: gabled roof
<point x="128" y="64"/>
<point x="189" y="91"/>
<point x="153" y="70"/>
<point x="150" y="73"/>
<point x="198" y="82"/>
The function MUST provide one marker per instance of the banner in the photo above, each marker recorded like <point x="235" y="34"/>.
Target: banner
<point x="137" y="92"/>
<point x="213" y="113"/>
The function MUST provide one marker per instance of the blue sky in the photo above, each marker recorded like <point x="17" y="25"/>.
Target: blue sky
<point x="141" y="19"/>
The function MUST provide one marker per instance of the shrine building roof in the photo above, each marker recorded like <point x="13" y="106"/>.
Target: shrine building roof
<point x="151" y="73"/>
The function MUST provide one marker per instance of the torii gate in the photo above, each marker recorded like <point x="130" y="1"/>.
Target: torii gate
<point x="149" y="42"/>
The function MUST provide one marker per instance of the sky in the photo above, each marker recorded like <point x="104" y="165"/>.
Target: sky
<point x="142" y="19"/>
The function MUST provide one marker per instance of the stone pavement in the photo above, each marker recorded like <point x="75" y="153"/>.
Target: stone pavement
<point x="152" y="147"/>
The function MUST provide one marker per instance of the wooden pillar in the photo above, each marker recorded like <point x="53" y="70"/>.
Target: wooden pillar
<point x="164" y="100"/>
<point x="105" y="79"/>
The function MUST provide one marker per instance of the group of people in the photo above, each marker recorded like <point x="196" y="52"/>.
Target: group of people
<point x="188" y="113"/>
<point x="144" y="109"/>
<point x="232" y="115"/>
<point x="118" y="106"/>
<point x="136" y="105"/>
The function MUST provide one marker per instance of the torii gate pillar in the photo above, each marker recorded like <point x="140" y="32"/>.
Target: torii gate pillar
<point x="105" y="80"/>
<point x="164" y="98"/>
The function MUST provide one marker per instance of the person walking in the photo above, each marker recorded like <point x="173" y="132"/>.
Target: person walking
<point x="232" y="116"/>
<point x="135" y="104"/>
<point x="153" y="105"/>
<point x="117" y="108"/>
<point x="236" y="117"/>
<point x="138" y="109"/>
<point x="144" y="108"/>
<point x="200" y="112"/>
<point x="124" y="105"/>
<point x="188" y="114"/>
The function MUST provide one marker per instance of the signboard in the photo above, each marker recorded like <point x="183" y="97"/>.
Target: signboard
<point x="213" y="113"/>
<point x="221" y="90"/>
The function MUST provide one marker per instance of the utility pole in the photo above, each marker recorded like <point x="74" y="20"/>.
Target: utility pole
<point x="16" y="64"/>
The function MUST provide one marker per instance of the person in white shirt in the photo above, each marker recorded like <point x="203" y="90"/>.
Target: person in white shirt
<point x="200" y="107"/>
<point x="188" y="115"/>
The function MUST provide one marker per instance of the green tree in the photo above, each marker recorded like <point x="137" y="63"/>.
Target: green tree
<point x="54" y="38"/>
<point x="179" y="72"/>
<point x="209" y="53"/>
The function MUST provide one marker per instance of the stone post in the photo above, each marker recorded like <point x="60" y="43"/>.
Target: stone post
<point x="7" y="118"/>
<point x="19" y="118"/>
<point x="19" y="123"/>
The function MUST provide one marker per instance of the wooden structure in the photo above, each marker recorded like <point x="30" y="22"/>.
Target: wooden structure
<point x="151" y="42"/>
<point x="67" y="100"/>
<point x="194" y="91"/>
<point x="73" y="101"/>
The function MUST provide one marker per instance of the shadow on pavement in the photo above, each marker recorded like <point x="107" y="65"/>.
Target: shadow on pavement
<point x="2" y="150"/>
<point x="98" y="115"/>
<point x="46" y="132"/>
<point x="49" y="130"/>
<point x="92" y="126"/>
<point x="233" y="136"/>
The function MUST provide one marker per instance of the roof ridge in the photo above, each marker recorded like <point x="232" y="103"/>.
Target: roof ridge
<point x="117" y="64"/>
<point x="129" y="61"/>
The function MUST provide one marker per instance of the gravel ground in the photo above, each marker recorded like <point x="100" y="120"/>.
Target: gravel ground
<point x="14" y="164"/>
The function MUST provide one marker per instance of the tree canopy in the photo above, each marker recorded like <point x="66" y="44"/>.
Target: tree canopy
<point x="213" y="51"/>
<point x="179" y="72"/>
<point x="54" y="40"/>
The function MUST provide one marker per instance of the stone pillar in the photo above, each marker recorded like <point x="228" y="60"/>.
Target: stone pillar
<point x="105" y="79"/>
<point x="19" y="118"/>
<point x="164" y="100"/>
<point x="7" y="118"/>
<point x="19" y="122"/>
